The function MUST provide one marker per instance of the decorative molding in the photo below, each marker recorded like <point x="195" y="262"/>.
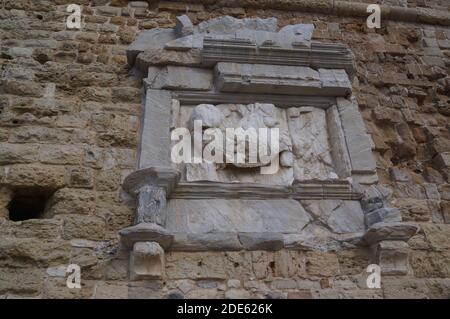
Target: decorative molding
<point x="300" y="191"/>
<point x="154" y="145"/>
<point x="145" y="232"/>
<point x="319" y="55"/>
<point x="195" y="98"/>
<point x="163" y="177"/>
<point x="281" y="79"/>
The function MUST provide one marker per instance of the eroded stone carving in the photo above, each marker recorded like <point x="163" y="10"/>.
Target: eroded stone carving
<point x="391" y="256"/>
<point x="280" y="79"/>
<point x="304" y="151"/>
<point x="386" y="234"/>
<point x="151" y="205"/>
<point x="308" y="130"/>
<point x="147" y="261"/>
<point x="251" y="116"/>
<point x="245" y="73"/>
<point x="236" y="40"/>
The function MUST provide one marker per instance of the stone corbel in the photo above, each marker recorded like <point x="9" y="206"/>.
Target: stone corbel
<point x="148" y="238"/>
<point x="387" y="236"/>
<point x="391" y="256"/>
<point x="147" y="261"/>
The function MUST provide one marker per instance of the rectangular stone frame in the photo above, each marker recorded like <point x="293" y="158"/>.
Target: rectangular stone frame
<point x="351" y="145"/>
<point x="199" y="66"/>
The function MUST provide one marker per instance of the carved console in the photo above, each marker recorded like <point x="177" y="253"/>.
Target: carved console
<point x="231" y="73"/>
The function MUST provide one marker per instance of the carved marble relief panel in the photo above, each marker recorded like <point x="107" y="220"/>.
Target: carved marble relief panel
<point x="228" y="73"/>
<point x="304" y="149"/>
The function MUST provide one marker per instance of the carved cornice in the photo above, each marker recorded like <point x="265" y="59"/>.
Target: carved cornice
<point x="195" y="98"/>
<point x="154" y="176"/>
<point x="319" y="55"/>
<point x="300" y="191"/>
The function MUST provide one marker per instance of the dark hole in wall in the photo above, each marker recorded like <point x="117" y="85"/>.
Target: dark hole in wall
<point x="42" y="58"/>
<point x="27" y="205"/>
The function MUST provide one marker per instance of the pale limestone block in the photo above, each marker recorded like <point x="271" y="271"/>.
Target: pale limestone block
<point x="391" y="256"/>
<point x="147" y="261"/>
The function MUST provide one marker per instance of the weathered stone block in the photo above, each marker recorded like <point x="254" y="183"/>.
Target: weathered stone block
<point x="227" y="24"/>
<point x="44" y="176"/>
<point x="71" y="201"/>
<point x="18" y="153"/>
<point x="444" y="190"/>
<point x="261" y="241"/>
<point x="179" y="78"/>
<point x="442" y="160"/>
<point x="195" y="266"/>
<point x="335" y="82"/>
<point x="399" y="175"/>
<point x="371" y="203"/>
<point x="56" y="287"/>
<point x="111" y="290"/>
<point x="279" y="79"/>
<point x="26" y="281"/>
<point x="300" y="294"/>
<point x="391" y="256"/>
<point x="289" y="264"/>
<point x="108" y="11"/>
<point x="234" y="283"/>
<point x="108" y="180"/>
<point x="237" y="294"/>
<point x="312" y="237"/>
<point x="61" y="154"/>
<point x="207" y="241"/>
<point x="445" y="206"/>
<point x="413" y="209"/>
<point x="390" y="231"/>
<point x="322" y="264"/>
<point x="438" y="235"/>
<point x="353" y="261"/>
<point x="19" y="252"/>
<point x="151" y="39"/>
<point x="183" y="26"/>
<point x="32" y="228"/>
<point x="81" y="226"/>
<point x="432" y="191"/>
<point x="228" y="216"/>
<point x="155" y="143"/>
<point x="146" y="232"/>
<point x="358" y="141"/>
<point x="384" y="214"/>
<point x="81" y="177"/>
<point x="338" y="146"/>
<point x="147" y="261"/>
<point x="23" y="88"/>
<point x="47" y="135"/>
<point x="167" y="57"/>
<point x="126" y="94"/>
<point x="340" y="216"/>
<point x="430" y="264"/>
<point x="5" y="198"/>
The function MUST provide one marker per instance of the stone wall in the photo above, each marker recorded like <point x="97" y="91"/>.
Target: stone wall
<point x="69" y="117"/>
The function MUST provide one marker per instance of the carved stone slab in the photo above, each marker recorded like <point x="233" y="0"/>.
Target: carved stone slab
<point x="279" y="79"/>
<point x="249" y="73"/>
